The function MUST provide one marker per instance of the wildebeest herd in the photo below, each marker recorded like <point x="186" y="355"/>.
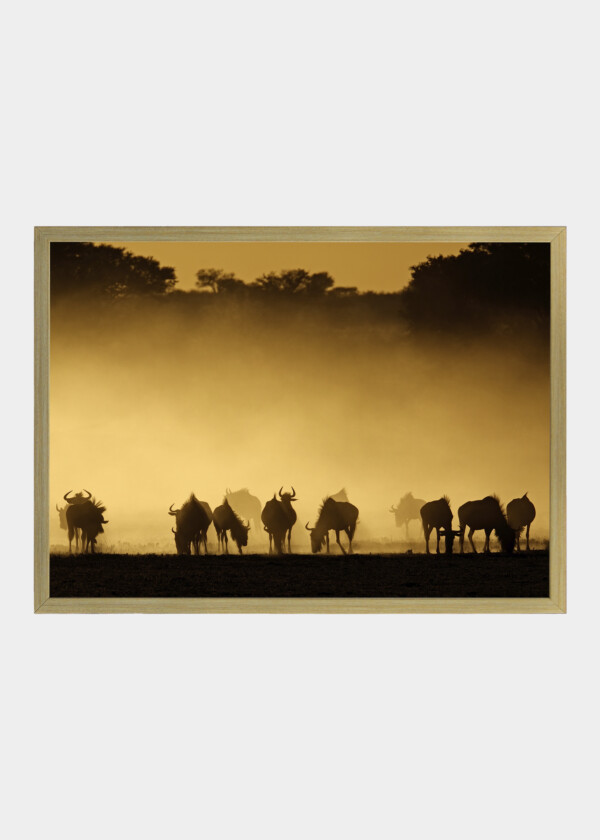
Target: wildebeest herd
<point x="83" y="518"/>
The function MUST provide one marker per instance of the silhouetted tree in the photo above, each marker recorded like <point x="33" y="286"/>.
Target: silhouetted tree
<point x="85" y="269"/>
<point x="295" y="281"/>
<point x="219" y="281"/>
<point x="499" y="286"/>
<point x="343" y="291"/>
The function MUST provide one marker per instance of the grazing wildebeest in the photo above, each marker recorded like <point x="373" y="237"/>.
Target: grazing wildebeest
<point x="193" y="520"/>
<point x="87" y="516"/>
<point x="226" y="519"/>
<point x="276" y="523"/>
<point x="77" y="499"/>
<point x="438" y="515"/>
<point x="520" y="513"/>
<point x="286" y="503"/>
<point x="407" y="509"/>
<point x="246" y="506"/>
<point x="333" y="516"/>
<point x="485" y="515"/>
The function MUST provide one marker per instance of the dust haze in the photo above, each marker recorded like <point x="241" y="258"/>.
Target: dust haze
<point x="151" y="400"/>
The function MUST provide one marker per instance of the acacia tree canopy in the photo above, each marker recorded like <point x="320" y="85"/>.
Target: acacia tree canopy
<point x="218" y="280"/>
<point x="295" y="281"/>
<point x="85" y="269"/>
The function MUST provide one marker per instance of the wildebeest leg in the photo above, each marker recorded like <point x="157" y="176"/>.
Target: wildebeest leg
<point x="327" y="539"/>
<point x="528" y="527"/>
<point x="290" y="541"/>
<point x="471" y="532"/>
<point x="350" y="534"/>
<point x="337" y="539"/>
<point x="77" y="539"/>
<point x="226" y="542"/>
<point x="437" y="533"/>
<point x="427" y="529"/>
<point x="486" y="547"/>
<point x="407" y="530"/>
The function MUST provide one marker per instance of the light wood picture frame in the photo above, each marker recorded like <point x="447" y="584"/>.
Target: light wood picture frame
<point x="44" y="602"/>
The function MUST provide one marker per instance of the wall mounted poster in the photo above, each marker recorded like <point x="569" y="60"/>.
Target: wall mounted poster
<point x="300" y="419"/>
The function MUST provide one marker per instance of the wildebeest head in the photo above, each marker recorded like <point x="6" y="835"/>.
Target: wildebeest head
<point x="181" y="544"/>
<point x="317" y="540"/>
<point x="287" y="497"/>
<point x="449" y="536"/>
<point x="78" y="498"/>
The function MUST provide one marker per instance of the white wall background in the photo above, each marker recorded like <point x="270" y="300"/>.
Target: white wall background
<point x="278" y="726"/>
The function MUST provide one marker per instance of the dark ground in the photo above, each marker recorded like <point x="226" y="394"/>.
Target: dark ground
<point x="494" y="575"/>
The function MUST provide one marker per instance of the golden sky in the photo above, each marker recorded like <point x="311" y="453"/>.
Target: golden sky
<point x="376" y="266"/>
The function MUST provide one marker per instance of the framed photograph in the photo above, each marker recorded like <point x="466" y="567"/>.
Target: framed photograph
<point x="300" y="419"/>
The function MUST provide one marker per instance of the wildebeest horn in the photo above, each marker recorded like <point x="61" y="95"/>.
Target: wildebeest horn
<point x="307" y="526"/>
<point x="57" y="508"/>
<point x="280" y="489"/>
<point x="228" y="491"/>
<point x="174" y="531"/>
<point x="88" y="492"/>
<point x="104" y="521"/>
<point x="173" y="512"/>
<point x="65" y="496"/>
<point x="293" y="491"/>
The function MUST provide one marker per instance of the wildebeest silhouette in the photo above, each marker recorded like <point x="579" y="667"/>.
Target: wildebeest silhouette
<point x="333" y="516"/>
<point x="438" y="515"/>
<point x="77" y="499"/>
<point x="340" y="496"/>
<point x="407" y="509"/>
<point x="88" y="517"/>
<point x="62" y="516"/>
<point x="226" y="519"/>
<point x="192" y="521"/>
<point x="485" y="515"/>
<point x="520" y="513"/>
<point x="286" y="503"/>
<point x="246" y="506"/>
<point x="276" y="522"/>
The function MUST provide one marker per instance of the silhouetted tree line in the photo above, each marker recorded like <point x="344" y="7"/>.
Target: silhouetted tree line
<point x="82" y="269"/>
<point x="500" y="287"/>
<point x="296" y="281"/>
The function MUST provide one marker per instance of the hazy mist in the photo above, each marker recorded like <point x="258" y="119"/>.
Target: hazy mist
<point x="150" y="402"/>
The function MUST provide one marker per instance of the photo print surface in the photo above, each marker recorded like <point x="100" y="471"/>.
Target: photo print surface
<point x="299" y="419"/>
